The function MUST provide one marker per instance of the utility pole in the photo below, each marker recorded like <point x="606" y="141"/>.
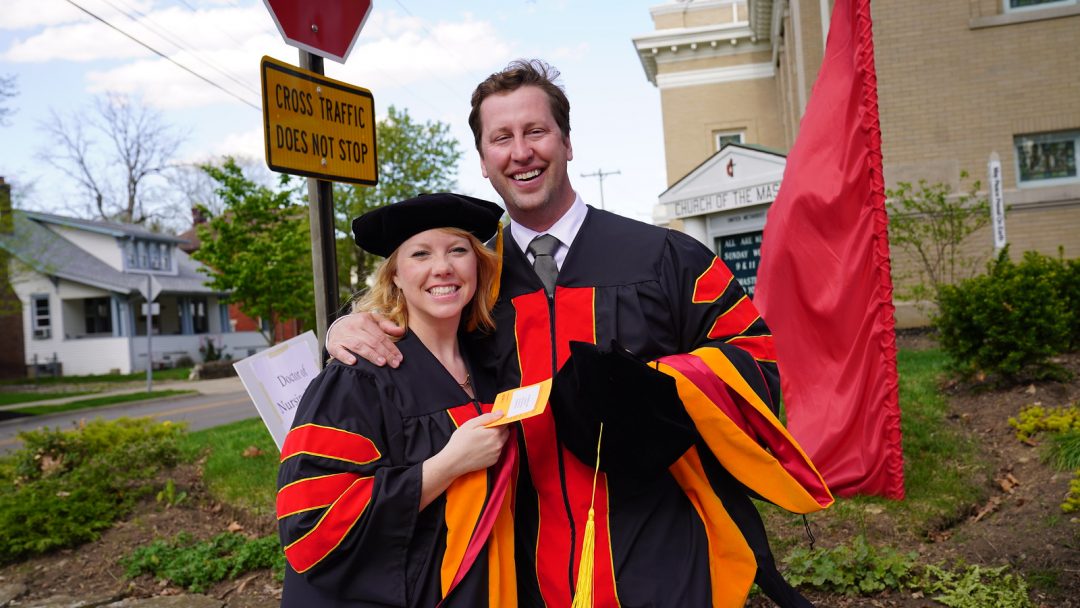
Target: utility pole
<point x="600" y="174"/>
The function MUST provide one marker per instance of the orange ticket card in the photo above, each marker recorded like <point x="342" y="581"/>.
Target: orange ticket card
<point x="523" y="402"/>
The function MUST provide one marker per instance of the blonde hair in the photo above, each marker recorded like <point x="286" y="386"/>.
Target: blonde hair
<point x="385" y="298"/>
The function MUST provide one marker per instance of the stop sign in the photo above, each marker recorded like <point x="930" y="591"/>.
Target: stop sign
<point x="327" y="28"/>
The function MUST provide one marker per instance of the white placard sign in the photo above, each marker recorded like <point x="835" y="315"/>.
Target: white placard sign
<point x="276" y="379"/>
<point x="997" y="202"/>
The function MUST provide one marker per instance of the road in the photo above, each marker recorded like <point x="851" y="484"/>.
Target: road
<point x="199" y="411"/>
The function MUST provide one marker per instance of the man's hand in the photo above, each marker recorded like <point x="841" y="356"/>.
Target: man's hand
<point x="367" y="335"/>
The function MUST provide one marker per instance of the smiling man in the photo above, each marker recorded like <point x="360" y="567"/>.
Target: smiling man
<point x="686" y="533"/>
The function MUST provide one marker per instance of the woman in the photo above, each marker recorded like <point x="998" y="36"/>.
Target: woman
<point x="386" y="497"/>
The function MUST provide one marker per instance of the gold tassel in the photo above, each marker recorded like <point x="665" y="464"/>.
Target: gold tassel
<point x="583" y="593"/>
<point x="498" y="270"/>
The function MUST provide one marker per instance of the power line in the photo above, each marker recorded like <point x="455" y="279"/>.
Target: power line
<point x="601" y="174"/>
<point x="433" y="37"/>
<point x="165" y="35"/>
<point x="165" y="57"/>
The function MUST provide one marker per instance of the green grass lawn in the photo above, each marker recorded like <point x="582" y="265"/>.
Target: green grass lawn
<point x="93" y="402"/>
<point x="248" y="482"/>
<point x="13" y="398"/>
<point x="942" y="473"/>
<point x="176" y="373"/>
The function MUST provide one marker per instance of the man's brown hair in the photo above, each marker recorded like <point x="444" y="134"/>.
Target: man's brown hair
<point x="522" y="73"/>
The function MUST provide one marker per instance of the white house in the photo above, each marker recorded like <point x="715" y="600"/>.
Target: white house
<point x="81" y="285"/>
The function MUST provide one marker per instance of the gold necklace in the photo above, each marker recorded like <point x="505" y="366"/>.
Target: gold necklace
<point x="468" y="380"/>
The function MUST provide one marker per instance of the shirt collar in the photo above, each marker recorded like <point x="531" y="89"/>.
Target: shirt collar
<point x="564" y="229"/>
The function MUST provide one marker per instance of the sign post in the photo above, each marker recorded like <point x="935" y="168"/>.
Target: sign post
<point x="325" y="110"/>
<point x="150" y="293"/>
<point x="997" y="202"/>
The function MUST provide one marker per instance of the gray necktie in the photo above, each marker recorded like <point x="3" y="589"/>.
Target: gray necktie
<point x="543" y="250"/>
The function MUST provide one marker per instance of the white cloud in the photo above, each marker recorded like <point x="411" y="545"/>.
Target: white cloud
<point x="224" y="44"/>
<point x="167" y="31"/>
<point x="24" y="14"/>
<point x="242" y="144"/>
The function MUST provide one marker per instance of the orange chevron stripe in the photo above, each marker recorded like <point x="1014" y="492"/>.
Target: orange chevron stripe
<point x="743" y="433"/>
<point x="332" y="527"/>
<point x="328" y="442"/>
<point x="761" y="348"/>
<point x="735" y="320"/>
<point x="732" y="565"/>
<point x="312" y="493"/>
<point x="464" y="501"/>
<point x="712" y="283"/>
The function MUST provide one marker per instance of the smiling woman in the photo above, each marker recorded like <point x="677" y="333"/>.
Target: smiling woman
<point x="387" y="489"/>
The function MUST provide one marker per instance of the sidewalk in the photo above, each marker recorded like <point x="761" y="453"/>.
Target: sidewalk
<point x="216" y="386"/>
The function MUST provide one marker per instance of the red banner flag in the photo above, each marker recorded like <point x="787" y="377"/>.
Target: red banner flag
<point x="823" y="285"/>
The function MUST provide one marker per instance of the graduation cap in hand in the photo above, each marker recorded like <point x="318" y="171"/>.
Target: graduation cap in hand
<point x="646" y="428"/>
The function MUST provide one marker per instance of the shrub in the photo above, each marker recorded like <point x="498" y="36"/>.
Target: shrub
<point x="214" y="369"/>
<point x="65" y="487"/>
<point x="932" y="223"/>
<point x="975" y="587"/>
<point x="1036" y="419"/>
<point x="859" y="569"/>
<point x="197" y="565"/>
<point x="1009" y="322"/>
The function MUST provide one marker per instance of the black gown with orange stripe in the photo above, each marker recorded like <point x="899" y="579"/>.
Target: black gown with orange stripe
<point x="350" y="483"/>
<point x="692" y="536"/>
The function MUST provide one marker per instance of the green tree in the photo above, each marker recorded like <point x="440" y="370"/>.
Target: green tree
<point x="414" y="158"/>
<point x="932" y="224"/>
<point x="259" y="248"/>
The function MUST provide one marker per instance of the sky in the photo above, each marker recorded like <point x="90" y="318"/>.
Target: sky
<point x="425" y="56"/>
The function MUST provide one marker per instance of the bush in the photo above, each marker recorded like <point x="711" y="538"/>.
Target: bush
<point x="198" y="565"/>
<point x="1009" y="322"/>
<point x="64" y="487"/>
<point x="213" y="369"/>
<point x="860" y="569"/>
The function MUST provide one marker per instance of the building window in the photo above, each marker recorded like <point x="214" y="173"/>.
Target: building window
<point x="728" y="137"/>
<point x="155" y="256"/>
<point x="98" y="315"/>
<point x="200" y="320"/>
<point x="40" y="322"/>
<point x="1022" y="5"/>
<point x="1047" y="158"/>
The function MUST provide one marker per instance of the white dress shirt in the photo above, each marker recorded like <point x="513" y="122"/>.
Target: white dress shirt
<point x="565" y="229"/>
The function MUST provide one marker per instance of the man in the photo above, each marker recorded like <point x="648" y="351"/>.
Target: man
<point x="691" y="537"/>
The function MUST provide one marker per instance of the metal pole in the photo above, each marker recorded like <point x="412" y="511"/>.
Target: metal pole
<point x="149" y="342"/>
<point x="323" y="245"/>
<point x="600" y="174"/>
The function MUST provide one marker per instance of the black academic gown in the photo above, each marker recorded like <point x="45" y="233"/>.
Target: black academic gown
<point x="350" y="483"/>
<point x="658" y="293"/>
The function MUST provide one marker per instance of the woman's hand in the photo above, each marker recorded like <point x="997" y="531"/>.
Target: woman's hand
<point x="472" y="447"/>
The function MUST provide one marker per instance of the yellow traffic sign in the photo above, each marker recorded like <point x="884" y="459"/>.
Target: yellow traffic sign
<point x="317" y="126"/>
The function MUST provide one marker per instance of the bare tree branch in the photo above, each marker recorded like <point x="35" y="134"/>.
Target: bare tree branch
<point x="8" y="90"/>
<point x="138" y="146"/>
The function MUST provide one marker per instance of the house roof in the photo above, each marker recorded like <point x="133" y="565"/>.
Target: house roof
<point x="53" y="255"/>
<point x="102" y="227"/>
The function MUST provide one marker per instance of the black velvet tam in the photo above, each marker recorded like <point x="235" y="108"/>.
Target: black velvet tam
<point x="383" y="230"/>
<point x="646" y="428"/>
